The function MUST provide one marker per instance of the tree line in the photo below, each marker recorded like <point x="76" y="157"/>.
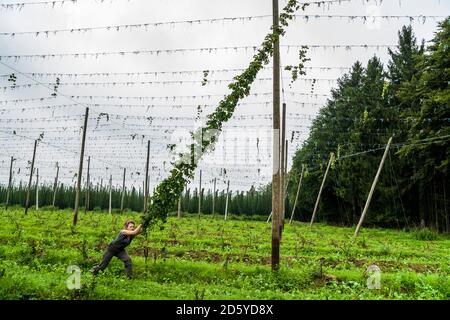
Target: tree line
<point x="408" y="100"/>
<point x="253" y="202"/>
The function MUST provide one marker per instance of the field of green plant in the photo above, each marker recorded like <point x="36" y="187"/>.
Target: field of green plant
<point x="209" y="258"/>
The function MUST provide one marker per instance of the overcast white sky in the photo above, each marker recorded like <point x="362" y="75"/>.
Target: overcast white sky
<point x="109" y="143"/>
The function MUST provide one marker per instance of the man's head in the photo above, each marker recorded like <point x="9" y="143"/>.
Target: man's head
<point x="129" y="225"/>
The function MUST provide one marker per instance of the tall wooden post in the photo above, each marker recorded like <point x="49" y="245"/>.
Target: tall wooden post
<point x="185" y="202"/>
<point x="80" y="170"/>
<point x="146" y="186"/>
<point x="200" y="195"/>
<point x="374" y="183"/>
<point x="287" y="176"/>
<point x="143" y="192"/>
<point x="88" y="186"/>
<point x="37" y="189"/>
<point x="123" y="190"/>
<point x="286" y="154"/>
<point x="285" y="180"/>
<point x="27" y="201"/>
<point x="110" y="194"/>
<point x="276" y="187"/>
<point x="296" y="195"/>
<point x="179" y="207"/>
<point x="9" y="183"/>
<point x="55" y="185"/>
<point x="282" y="167"/>
<point x="226" y="199"/>
<point x="320" y="190"/>
<point x="214" y="197"/>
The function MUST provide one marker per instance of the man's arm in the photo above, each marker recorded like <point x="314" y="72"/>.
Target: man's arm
<point x="136" y="231"/>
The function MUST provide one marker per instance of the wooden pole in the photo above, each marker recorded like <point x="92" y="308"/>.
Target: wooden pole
<point x="27" y="201"/>
<point x="296" y="195"/>
<point x="179" y="207"/>
<point x="55" y="185"/>
<point x="321" y="188"/>
<point x="110" y="194"/>
<point x="285" y="180"/>
<point x="80" y="170"/>
<point x="185" y="202"/>
<point x="226" y="199"/>
<point x="372" y="189"/>
<point x="287" y="176"/>
<point x="282" y="167"/>
<point x="37" y="189"/>
<point x="214" y="197"/>
<point x="276" y="187"/>
<point x="9" y="183"/>
<point x="200" y="195"/>
<point x="123" y="190"/>
<point x="88" y="187"/>
<point x="146" y="178"/>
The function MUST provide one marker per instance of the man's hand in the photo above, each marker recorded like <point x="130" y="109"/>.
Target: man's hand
<point x="136" y="231"/>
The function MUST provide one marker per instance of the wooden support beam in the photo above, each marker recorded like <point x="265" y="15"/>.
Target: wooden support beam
<point x="226" y="199"/>
<point x="110" y="194"/>
<point x="214" y="197"/>
<point x="298" y="191"/>
<point x="146" y="186"/>
<point x="282" y="166"/>
<point x="27" y="201"/>
<point x="80" y="170"/>
<point x="37" y="189"/>
<point x="88" y="187"/>
<point x="200" y="195"/>
<point x="123" y="190"/>
<point x="276" y="186"/>
<point x="285" y="182"/>
<point x="9" y="183"/>
<point x="55" y="185"/>
<point x="321" y="188"/>
<point x="372" y="189"/>
<point x="179" y="207"/>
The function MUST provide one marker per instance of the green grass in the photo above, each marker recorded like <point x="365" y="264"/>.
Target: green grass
<point x="209" y="258"/>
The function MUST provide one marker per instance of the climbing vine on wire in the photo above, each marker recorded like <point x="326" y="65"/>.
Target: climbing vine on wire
<point x="205" y="77"/>
<point x="300" y="68"/>
<point x="170" y="189"/>
<point x="55" y="87"/>
<point x="12" y="78"/>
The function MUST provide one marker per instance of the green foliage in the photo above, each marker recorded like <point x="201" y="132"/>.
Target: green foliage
<point x="425" y="234"/>
<point x="300" y="68"/>
<point x="409" y="102"/>
<point x="209" y="258"/>
<point x="65" y="197"/>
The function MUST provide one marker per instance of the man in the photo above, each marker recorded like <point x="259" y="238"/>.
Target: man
<point x="117" y="248"/>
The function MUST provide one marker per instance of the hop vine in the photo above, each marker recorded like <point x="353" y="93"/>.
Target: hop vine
<point x="169" y="190"/>
<point x="299" y="69"/>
